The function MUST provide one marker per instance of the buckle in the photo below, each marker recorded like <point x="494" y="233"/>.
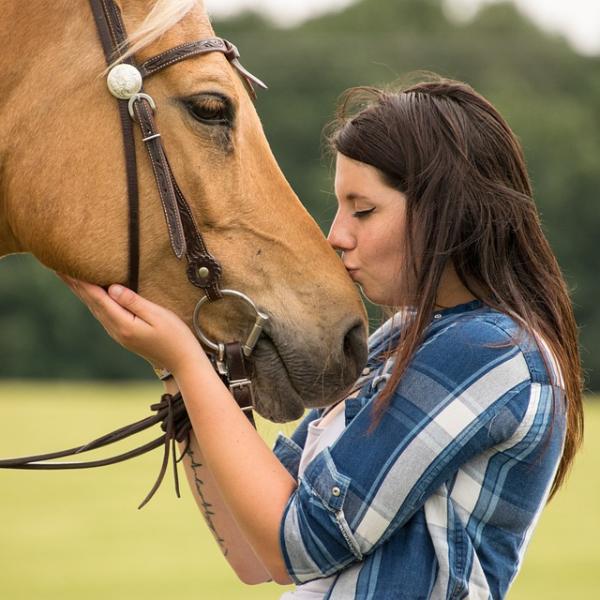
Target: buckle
<point x="239" y="383"/>
<point x="135" y="98"/>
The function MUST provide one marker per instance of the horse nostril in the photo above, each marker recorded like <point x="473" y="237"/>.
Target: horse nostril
<point x="355" y="346"/>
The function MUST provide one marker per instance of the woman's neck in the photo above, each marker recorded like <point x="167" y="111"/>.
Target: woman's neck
<point x="451" y="290"/>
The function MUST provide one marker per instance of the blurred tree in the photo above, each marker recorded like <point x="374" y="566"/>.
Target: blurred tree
<point x="46" y="332"/>
<point x="549" y="94"/>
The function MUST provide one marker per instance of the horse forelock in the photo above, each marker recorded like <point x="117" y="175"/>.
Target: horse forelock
<point x="163" y="15"/>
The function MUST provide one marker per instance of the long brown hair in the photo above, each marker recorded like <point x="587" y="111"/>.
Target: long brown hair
<point x="469" y="201"/>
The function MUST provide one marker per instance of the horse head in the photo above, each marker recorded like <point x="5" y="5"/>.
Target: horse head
<point x="64" y="196"/>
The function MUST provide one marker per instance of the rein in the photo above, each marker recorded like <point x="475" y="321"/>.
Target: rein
<point x="125" y="82"/>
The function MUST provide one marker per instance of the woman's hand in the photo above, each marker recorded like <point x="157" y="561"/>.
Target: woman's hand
<point x="153" y="332"/>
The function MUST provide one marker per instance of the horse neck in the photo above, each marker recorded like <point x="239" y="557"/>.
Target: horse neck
<point x="32" y="24"/>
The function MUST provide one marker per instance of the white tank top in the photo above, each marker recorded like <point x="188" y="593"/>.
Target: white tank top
<point x="318" y="438"/>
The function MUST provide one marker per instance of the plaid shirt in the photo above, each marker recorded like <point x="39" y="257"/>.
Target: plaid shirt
<point x="441" y="499"/>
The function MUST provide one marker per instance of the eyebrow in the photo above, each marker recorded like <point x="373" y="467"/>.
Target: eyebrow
<point x="352" y="196"/>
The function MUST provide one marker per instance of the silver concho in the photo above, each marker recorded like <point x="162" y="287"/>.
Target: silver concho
<point x="124" y="81"/>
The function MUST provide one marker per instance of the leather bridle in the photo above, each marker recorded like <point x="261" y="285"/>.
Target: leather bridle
<point x="125" y="81"/>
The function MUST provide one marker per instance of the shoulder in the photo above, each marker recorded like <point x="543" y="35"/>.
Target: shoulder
<point x="472" y="346"/>
<point x="463" y="347"/>
<point x="487" y="340"/>
<point x="482" y="326"/>
<point x="482" y="362"/>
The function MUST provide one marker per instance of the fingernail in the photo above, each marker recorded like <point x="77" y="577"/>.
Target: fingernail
<point x="116" y="290"/>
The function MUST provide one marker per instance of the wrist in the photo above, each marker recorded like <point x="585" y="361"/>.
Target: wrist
<point x="191" y="361"/>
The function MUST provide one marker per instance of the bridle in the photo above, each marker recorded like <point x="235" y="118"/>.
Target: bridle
<point x="125" y="82"/>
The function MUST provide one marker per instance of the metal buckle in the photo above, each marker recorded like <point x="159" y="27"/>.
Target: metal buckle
<point x="252" y="338"/>
<point x="140" y="96"/>
<point x="238" y="383"/>
<point x="243" y="383"/>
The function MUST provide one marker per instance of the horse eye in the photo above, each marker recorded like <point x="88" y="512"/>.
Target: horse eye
<point x="209" y="109"/>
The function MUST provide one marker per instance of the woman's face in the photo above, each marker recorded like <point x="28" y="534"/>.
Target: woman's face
<point x="369" y="229"/>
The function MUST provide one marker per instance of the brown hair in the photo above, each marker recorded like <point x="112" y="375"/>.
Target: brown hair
<point x="462" y="170"/>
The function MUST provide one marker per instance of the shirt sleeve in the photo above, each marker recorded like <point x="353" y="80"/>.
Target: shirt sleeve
<point x="465" y="391"/>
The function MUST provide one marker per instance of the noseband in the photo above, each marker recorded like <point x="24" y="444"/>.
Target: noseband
<point x="125" y="82"/>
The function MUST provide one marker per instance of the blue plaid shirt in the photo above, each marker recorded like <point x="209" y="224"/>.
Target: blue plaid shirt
<point x="441" y="499"/>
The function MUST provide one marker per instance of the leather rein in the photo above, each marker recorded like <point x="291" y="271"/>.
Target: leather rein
<point x="125" y="82"/>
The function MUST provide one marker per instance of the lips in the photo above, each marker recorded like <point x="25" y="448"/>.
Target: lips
<point x="352" y="272"/>
<point x="277" y="398"/>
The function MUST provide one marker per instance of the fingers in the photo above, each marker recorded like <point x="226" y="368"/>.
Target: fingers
<point x="95" y="296"/>
<point x="133" y="302"/>
<point x="107" y="310"/>
<point x="145" y="328"/>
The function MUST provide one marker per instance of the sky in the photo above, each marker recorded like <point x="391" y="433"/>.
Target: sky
<point x="577" y="20"/>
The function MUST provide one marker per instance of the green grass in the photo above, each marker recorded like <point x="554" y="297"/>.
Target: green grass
<point x="78" y="534"/>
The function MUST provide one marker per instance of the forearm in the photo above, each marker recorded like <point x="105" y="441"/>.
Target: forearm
<point x="253" y="483"/>
<point x="232" y="542"/>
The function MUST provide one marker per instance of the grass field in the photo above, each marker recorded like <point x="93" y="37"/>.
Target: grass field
<point x="77" y="534"/>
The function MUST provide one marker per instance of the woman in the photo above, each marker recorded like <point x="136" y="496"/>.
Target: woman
<point x="427" y="480"/>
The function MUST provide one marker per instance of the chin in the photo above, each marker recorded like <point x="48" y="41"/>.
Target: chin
<point x="372" y="297"/>
<point x="381" y="297"/>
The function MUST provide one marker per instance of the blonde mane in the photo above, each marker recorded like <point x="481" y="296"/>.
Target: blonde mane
<point x="164" y="14"/>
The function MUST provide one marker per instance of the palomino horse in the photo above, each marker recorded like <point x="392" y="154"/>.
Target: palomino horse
<point x="63" y="195"/>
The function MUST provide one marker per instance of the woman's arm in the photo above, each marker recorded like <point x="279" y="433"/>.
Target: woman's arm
<point x="220" y="521"/>
<point x="253" y="483"/>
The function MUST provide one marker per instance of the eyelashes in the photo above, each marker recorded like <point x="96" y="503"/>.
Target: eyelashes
<point x="359" y="214"/>
<point x="210" y="109"/>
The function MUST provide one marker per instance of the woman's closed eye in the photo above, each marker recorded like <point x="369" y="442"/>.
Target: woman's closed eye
<point x="359" y="214"/>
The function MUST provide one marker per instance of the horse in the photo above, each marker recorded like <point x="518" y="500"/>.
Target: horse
<point x="63" y="193"/>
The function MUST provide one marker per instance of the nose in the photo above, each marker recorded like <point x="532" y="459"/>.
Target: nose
<point x="340" y="236"/>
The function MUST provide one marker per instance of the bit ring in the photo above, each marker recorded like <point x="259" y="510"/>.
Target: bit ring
<point x="248" y="346"/>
